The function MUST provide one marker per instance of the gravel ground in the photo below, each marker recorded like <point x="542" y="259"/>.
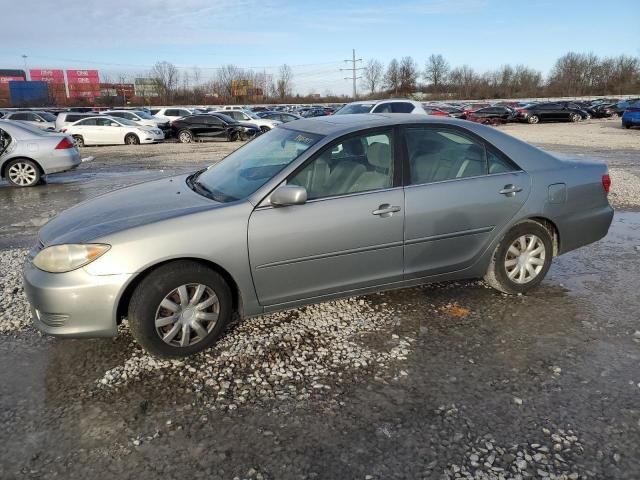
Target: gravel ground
<point x="439" y="382"/>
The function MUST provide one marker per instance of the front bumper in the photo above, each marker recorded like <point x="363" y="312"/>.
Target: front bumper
<point x="73" y="304"/>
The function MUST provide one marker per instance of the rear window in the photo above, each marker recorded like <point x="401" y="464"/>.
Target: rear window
<point x="355" y="108"/>
<point x="75" y="117"/>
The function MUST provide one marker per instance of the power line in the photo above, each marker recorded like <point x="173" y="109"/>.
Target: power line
<point x="353" y="69"/>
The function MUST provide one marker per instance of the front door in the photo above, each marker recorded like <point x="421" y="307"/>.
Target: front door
<point x="459" y="193"/>
<point x="347" y="236"/>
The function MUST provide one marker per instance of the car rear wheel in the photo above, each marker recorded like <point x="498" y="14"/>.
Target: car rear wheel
<point x="533" y="119"/>
<point x="79" y="141"/>
<point x="521" y="260"/>
<point x="575" y="117"/>
<point x="185" y="136"/>
<point x="23" y="173"/>
<point x="179" y="309"/>
<point x="131" y="139"/>
<point x="626" y="125"/>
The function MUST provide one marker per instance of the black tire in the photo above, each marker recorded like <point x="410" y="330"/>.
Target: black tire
<point x="234" y="137"/>
<point x="575" y="117"/>
<point x="152" y="290"/>
<point x="626" y="125"/>
<point x="497" y="275"/>
<point x="264" y="129"/>
<point x="131" y="139"/>
<point x="22" y="173"/>
<point x="185" y="136"/>
<point x="78" y="140"/>
<point x="533" y="119"/>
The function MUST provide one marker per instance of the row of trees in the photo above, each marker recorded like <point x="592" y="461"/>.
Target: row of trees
<point x="573" y="74"/>
<point x="187" y="87"/>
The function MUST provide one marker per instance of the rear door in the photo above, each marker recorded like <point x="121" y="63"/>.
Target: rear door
<point x="459" y="192"/>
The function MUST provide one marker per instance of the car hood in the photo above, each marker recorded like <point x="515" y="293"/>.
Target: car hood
<point x="126" y="208"/>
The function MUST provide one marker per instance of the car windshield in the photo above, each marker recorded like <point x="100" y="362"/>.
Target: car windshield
<point x="143" y="115"/>
<point x="253" y="115"/>
<point x="355" y="108"/>
<point x="250" y="167"/>
<point x="49" y="117"/>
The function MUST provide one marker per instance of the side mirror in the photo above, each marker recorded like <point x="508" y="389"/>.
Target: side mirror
<point x="289" y="195"/>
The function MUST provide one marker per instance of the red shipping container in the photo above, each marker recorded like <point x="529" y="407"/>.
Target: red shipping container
<point x="50" y="76"/>
<point x="6" y="80"/>
<point x="83" y="76"/>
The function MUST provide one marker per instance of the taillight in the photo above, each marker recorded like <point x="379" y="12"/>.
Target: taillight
<point x="64" y="144"/>
<point x="606" y="182"/>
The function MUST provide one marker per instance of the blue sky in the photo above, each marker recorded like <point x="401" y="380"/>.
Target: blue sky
<point x="128" y="36"/>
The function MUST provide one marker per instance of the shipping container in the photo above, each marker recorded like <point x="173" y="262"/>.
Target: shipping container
<point x="28" y="93"/>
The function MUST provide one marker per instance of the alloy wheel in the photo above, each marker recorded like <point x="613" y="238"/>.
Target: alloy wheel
<point x="525" y="259"/>
<point x="185" y="137"/>
<point x="187" y="315"/>
<point x="23" y="174"/>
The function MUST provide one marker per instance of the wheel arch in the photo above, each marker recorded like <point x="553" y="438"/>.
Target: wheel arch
<point x="3" y="167"/>
<point x="551" y="227"/>
<point x="125" y="296"/>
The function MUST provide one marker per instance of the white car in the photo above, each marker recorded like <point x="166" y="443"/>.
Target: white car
<point x="138" y="116"/>
<point x="104" y="130"/>
<point x="64" y="119"/>
<point x="382" y="106"/>
<point x="170" y="114"/>
<point x="42" y="120"/>
<point x="245" y="116"/>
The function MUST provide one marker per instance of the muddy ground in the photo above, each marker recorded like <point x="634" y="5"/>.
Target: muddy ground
<point x="460" y="381"/>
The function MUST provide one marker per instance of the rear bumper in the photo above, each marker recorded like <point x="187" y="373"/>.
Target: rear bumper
<point x="74" y="304"/>
<point x="61" y="161"/>
<point x="585" y="227"/>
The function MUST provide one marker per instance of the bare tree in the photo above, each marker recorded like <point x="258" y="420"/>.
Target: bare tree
<point x="392" y="77"/>
<point x="166" y="77"/>
<point x="436" y="71"/>
<point x="284" y="84"/>
<point x="372" y="75"/>
<point x="407" y="75"/>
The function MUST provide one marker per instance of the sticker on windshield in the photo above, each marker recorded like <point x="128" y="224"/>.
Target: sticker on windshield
<point x="303" y="139"/>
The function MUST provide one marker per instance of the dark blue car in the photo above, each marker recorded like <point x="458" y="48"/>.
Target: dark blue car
<point x="631" y="116"/>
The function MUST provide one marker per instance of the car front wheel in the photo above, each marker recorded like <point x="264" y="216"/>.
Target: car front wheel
<point x="533" y="119"/>
<point x="522" y="259"/>
<point x="185" y="136"/>
<point x="179" y="309"/>
<point x="23" y="173"/>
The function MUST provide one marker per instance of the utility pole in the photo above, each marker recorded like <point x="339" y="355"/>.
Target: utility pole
<point x="353" y="70"/>
<point x="26" y="71"/>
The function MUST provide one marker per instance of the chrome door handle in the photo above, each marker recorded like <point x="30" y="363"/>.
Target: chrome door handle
<point x="510" y="190"/>
<point x="385" y="210"/>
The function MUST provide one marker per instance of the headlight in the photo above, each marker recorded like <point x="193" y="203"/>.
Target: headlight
<point x="64" y="258"/>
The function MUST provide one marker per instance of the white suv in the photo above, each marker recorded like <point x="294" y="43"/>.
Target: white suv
<point x="247" y="116"/>
<point x="382" y="106"/>
<point x="170" y="114"/>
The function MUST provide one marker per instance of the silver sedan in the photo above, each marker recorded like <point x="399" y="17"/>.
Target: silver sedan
<point x="27" y="153"/>
<point x="313" y="210"/>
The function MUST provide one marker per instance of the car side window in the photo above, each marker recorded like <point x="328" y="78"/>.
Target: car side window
<point x="402" y="107"/>
<point x="357" y="164"/>
<point x="18" y="116"/>
<point x="103" y="122"/>
<point x="382" y="108"/>
<point x="87" y="123"/>
<point x="436" y="155"/>
<point x="171" y="112"/>
<point x="499" y="163"/>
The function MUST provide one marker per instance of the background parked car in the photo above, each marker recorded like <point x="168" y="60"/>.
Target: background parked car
<point x="104" y="130"/>
<point x="623" y="105"/>
<point x="171" y="113"/>
<point x="265" y="124"/>
<point x="631" y="117"/>
<point x="492" y="115"/>
<point x="138" y="116"/>
<point x="40" y="119"/>
<point x="549" y="112"/>
<point x="64" y="119"/>
<point x="27" y="153"/>
<point x="604" y="110"/>
<point x="382" y="106"/>
<point x="211" y="126"/>
<point x="279" y="116"/>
